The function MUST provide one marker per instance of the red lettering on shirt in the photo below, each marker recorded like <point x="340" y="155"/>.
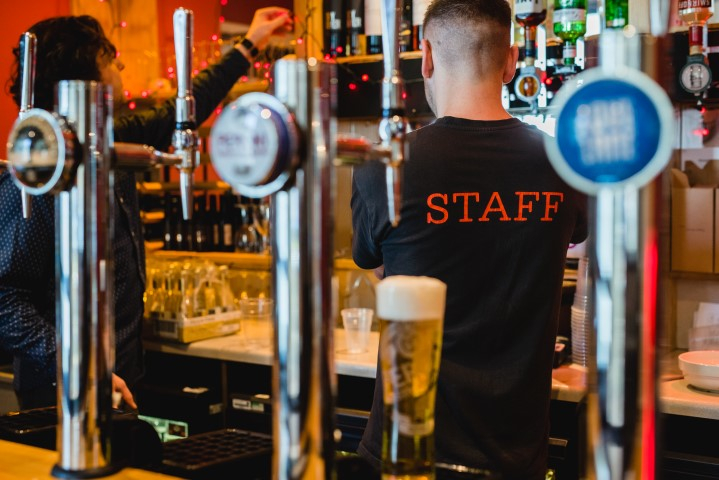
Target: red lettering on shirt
<point x="551" y="206"/>
<point x="499" y="209"/>
<point x="521" y="207"/>
<point x="445" y="213"/>
<point x="465" y="195"/>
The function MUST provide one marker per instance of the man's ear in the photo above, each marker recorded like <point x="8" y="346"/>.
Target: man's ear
<point x="511" y="66"/>
<point x="427" y="60"/>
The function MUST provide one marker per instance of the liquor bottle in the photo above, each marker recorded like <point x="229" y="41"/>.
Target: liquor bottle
<point x="419" y="7"/>
<point x="696" y="13"/>
<point x="183" y="230"/>
<point x="529" y="14"/>
<point x="199" y="219"/>
<point x="213" y="215"/>
<point x="355" y="27"/>
<point x="373" y="26"/>
<point x="570" y="24"/>
<point x="227" y="225"/>
<point x="616" y="13"/>
<point x="170" y="206"/>
<point x="335" y="33"/>
<point x="405" y="27"/>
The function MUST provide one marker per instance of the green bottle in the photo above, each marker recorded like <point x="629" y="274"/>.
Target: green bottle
<point x="570" y="23"/>
<point x="616" y="13"/>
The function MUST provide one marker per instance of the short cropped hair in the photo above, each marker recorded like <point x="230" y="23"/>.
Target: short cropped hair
<point x="477" y="31"/>
<point x="68" y="48"/>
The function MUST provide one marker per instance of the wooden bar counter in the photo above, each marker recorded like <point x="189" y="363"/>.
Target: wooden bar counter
<point x="22" y="462"/>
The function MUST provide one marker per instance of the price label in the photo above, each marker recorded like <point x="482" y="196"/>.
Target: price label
<point x="611" y="130"/>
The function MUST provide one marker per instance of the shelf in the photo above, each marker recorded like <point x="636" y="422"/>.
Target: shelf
<point x="252" y="261"/>
<point x="694" y="276"/>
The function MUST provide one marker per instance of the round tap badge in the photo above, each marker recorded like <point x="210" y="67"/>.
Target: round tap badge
<point x="253" y="144"/>
<point x="611" y="130"/>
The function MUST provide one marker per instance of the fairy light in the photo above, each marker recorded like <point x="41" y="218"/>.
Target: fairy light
<point x="132" y="105"/>
<point x="365" y="77"/>
<point x="352" y="86"/>
<point x="123" y="24"/>
<point x="223" y="2"/>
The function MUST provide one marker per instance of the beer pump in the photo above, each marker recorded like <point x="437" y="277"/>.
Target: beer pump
<point x="284" y="146"/>
<point x="613" y="139"/>
<point x="70" y="153"/>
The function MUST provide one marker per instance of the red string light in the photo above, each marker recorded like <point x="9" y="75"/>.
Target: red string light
<point x="123" y="24"/>
<point x="223" y="2"/>
<point x="365" y="77"/>
<point x="132" y="105"/>
<point x="352" y="86"/>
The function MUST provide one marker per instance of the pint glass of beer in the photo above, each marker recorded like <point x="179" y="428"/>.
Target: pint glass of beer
<point x="411" y="314"/>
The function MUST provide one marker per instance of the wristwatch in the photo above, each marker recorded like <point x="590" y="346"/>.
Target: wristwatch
<point x="247" y="43"/>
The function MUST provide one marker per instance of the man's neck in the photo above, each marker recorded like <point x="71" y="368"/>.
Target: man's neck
<point x="471" y="100"/>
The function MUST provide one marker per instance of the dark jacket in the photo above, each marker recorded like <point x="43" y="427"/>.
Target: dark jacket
<point x="27" y="247"/>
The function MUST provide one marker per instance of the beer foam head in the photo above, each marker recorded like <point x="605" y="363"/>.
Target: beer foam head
<point x="403" y="297"/>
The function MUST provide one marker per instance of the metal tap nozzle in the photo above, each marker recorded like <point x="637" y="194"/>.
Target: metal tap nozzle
<point x="28" y="51"/>
<point x="393" y="127"/>
<point x="135" y="156"/>
<point x="185" y="139"/>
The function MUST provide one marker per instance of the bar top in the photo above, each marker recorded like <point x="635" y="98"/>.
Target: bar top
<point x="569" y="382"/>
<point x="21" y="462"/>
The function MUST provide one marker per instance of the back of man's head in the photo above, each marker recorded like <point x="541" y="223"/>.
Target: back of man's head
<point x="470" y="36"/>
<point x="68" y="48"/>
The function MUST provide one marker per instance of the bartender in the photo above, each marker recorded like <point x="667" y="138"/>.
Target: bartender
<point x="76" y="48"/>
<point x="484" y="212"/>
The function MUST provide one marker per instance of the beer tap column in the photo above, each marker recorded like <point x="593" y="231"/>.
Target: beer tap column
<point x="184" y="139"/>
<point x="28" y="53"/>
<point x="393" y="127"/>
<point x="614" y="137"/>
<point x="68" y="154"/>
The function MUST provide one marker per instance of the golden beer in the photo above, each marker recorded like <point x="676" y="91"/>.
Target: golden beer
<point x="411" y="313"/>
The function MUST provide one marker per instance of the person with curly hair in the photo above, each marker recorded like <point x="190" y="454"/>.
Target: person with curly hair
<point x="76" y="48"/>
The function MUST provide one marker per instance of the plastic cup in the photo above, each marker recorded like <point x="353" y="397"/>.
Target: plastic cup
<point x="256" y="320"/>
<point x="357" y="323"/>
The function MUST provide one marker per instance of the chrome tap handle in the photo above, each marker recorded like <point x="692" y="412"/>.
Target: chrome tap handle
<point x="393" y="126"/>
<point x="28" y="53"/>
<point x="184" y="139"/>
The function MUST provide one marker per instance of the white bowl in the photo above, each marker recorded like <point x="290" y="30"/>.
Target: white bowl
<point x="701" y="368"/>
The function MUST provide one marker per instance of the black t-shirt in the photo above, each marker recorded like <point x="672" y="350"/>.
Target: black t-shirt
<point x="483" y="211"/>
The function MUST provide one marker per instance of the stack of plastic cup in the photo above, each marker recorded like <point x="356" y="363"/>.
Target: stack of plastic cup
<point x="581" y="325"/>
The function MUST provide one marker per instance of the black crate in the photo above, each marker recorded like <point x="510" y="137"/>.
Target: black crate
<point x="228" y="453"/>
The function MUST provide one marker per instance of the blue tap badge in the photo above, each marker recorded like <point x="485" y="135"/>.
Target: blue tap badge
<point x="611" y="130"/>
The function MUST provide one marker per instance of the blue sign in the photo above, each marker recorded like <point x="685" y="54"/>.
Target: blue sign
<point x="611" y="130"/>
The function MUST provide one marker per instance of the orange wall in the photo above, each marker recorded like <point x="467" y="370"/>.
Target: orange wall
<point x="15" y="19"/>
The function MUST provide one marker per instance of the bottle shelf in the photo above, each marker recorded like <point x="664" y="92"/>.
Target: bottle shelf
<point x="252" y="261"/>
